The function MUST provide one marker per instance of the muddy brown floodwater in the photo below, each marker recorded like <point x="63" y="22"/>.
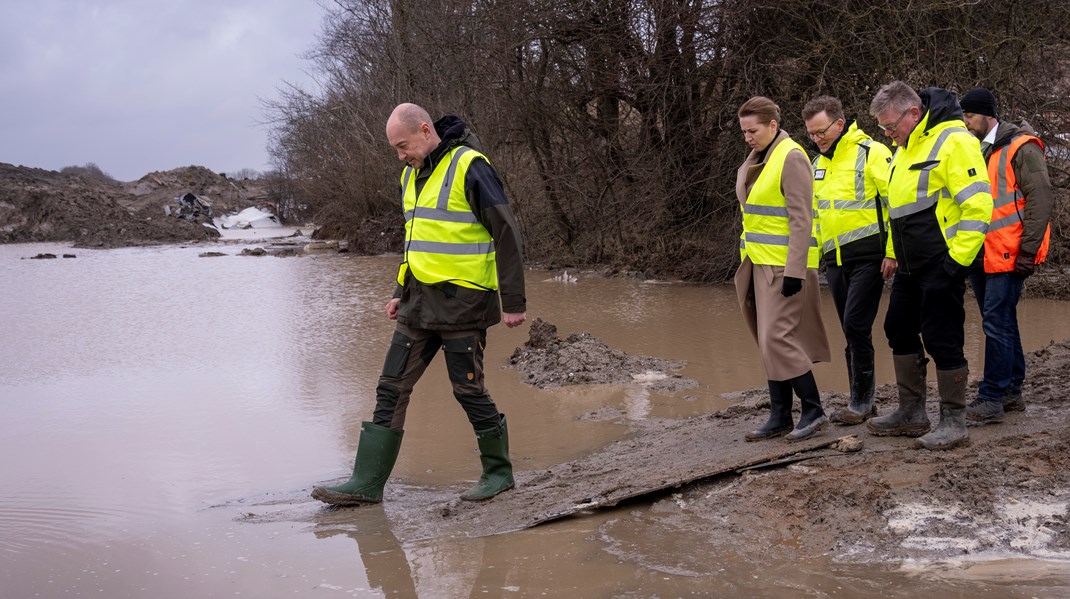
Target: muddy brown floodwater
<point x="164" y="416"/>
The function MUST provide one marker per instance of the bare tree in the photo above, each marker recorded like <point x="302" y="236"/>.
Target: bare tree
<point x="613" y="122"/>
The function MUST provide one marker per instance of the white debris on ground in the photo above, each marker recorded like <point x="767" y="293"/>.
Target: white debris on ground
<point x="250" y="218"/>
<point x="1016" y="527"/>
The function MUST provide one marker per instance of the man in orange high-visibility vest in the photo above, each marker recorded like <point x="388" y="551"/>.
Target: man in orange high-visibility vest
<point x="1017" y="241"/>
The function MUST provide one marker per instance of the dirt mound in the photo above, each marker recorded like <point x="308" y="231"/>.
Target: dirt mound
<point x="149" y="193"/>
<point x="41" y="205"/>
<point x="581" y="359"/>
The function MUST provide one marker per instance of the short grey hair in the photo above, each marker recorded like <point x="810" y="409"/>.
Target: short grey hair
<point x="897" y="95"/>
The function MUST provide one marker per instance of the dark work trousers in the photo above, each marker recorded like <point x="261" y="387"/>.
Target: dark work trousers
<point x="926" y="305"/>
<point x="856" y="290"/>
<point x="411" y="350"/>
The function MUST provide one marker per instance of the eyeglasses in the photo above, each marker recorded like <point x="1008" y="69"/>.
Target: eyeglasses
<point x="891" y="128"/>
<point x="821" y="134"/>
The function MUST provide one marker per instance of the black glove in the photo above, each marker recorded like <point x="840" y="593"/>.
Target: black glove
<point x="791" y="286"/>
<point x="954" y="269"/>
<point x="1024" y="264"/>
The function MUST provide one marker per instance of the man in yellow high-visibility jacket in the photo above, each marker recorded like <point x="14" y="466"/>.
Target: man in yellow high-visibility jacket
<point x="940" y="204"/>
<point x="462" y="251"/>
<point x="851" y="194"/>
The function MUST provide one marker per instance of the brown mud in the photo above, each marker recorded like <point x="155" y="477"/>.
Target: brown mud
<point x="844" y="494"/>
<point x="38" y="205"/>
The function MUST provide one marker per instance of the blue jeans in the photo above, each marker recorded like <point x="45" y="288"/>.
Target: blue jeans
<point x="997" y="297"/>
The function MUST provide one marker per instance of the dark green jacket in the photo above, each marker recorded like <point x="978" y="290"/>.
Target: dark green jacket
<point x="449" y="307"/>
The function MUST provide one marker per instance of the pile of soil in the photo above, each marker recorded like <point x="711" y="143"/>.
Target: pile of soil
<point x="92" y="211"/>
<point x="583" y="359"/>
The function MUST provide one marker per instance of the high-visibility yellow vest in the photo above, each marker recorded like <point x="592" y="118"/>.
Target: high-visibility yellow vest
<point x="1005" y="231"/>
<point x="848" y="189"/>
<point x="920" y="178"/>
<point x="765" y="215"/>
<point x="444" y="241"/>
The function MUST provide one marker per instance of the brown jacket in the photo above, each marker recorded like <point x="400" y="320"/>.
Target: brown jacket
<point x="789" y="330"/>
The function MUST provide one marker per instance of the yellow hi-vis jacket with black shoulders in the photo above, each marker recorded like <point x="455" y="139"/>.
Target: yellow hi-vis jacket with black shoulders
<point x="444" y="241"/>
<point x="765" y="215"/>
<point x="939" y="195"/>
<point x="851" y="193"/>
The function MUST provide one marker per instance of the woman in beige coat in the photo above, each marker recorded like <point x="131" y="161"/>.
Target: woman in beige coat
<point x="777" y="281"/>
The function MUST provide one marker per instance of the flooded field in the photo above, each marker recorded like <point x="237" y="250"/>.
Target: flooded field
<point x="146" y="394"/>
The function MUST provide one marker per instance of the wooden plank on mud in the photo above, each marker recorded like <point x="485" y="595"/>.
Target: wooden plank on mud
<point x="650" y="461"/>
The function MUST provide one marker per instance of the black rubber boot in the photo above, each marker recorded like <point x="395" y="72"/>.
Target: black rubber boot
<point x="780" y="421"/>
<point x="862" y="407"/>
<point x="813" y="418"/>
<point x="497" y="468"/>
<point x="951" y="431"/>
<point x="377" y="451"/>
<point x="909" y="419"/>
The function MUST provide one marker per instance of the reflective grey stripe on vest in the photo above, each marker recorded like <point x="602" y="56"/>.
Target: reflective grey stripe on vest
<point x="447" y="182"/>
<point x="760" y="210"/>
<point x="405" y="186"/>
<point x="450" y="216"/>
<point x="847" y="204"/>
<point x="848" y="237"/>
<point x="440" y="247"/>
<point x="971" y="190"/>
<point x="923" y="200"/>
<point x="769" y="239"/>
<point x="1006" y="196"/>
<point x="977" y="226"/>
<point x="1007" y="221"/>
<point x="860" y="170"/>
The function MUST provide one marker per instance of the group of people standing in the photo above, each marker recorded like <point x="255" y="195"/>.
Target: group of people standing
<point x="918" y="217"/>
<point x="964" y="196"/>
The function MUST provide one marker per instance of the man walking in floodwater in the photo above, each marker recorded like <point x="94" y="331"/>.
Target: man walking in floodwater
<point x="462" y="247"/>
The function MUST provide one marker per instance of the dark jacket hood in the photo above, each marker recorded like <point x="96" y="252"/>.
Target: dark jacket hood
<point x="449" y="127"/>
<point x="942" y="106"/>
<point x="453" y="132"/>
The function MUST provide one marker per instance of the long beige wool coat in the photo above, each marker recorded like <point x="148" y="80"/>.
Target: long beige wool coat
<point x="789" y="330"/>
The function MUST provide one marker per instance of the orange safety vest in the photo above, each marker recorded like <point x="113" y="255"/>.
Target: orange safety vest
<point x="1005" y="231"/>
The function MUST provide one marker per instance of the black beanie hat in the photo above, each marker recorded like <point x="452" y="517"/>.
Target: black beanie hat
<point x="979" y="101"/>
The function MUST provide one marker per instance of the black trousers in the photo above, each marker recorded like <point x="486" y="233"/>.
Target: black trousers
<point x="411" y="350"/>
<point x="856" y="290"/>
<point x="926" y="306"/>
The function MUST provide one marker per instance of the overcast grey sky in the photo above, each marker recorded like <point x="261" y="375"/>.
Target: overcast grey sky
<point x="142" y="85"/>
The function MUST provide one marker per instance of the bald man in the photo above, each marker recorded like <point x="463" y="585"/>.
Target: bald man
<point x="462" y="271"/>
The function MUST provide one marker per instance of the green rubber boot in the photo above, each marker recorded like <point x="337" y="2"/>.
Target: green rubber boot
<point x="377" y="451"/>
<point x="497" y="469"/>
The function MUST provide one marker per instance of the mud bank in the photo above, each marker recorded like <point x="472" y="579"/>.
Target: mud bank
<point x="1004" y="495"/>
